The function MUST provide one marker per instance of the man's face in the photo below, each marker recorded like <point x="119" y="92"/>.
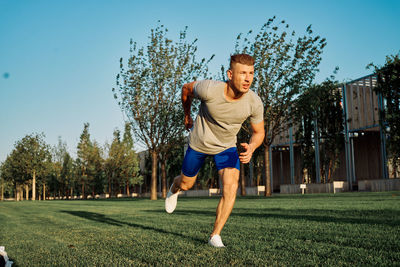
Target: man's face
<point x="241" y="77"/>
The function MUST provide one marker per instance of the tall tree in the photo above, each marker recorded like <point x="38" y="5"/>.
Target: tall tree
<point x="122" y="164"/>
<point x="67" y="175"/>
<point x="84" y="151"/>
<point x="148" y="90"/>
<point x="283" y="68"/>
<point x="113" y="163"/>
<point x="97" y="175"/>
<point x="130" y="163"/>
<point x="388" y="85"/>
<point x="58" y="154"/>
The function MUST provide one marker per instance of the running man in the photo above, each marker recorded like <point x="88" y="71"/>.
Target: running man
<point x="224" y="107"/>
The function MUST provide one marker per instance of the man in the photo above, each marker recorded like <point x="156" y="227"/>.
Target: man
<point x="224" y="107"/>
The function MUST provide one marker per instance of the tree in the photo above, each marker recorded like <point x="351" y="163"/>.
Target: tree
<point x="32" y="154"/>
<point x="6" y="179"/>
<point x="97" y="169"/>
<point x="113" y="162"/>
<point x="283" y="68"/>
<point x="130" y="163"/>
<point x="67" y="175"/>
<point x="28" y="161"/>
<point x="11" y="173"/>
<point x="89" y="162"/>
<point x="388" y="85"/>
<point x="148" y="91"/>
<point x="122" y="164"/>
<point x="58" y="155"/>
<point x="320" y="104"/>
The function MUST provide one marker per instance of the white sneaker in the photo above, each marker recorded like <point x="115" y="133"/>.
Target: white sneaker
<point x="171" y="200"/>
<point x="216" y="241"/>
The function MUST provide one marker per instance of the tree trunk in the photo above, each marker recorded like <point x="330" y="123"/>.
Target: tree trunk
<point x="83" y="190"/>
<point x="16" y="194"/>
<point x="21" y="192"/>
<point x="242" y="180"/>
<point x="109" y="183"/>
<point x="267" y="173"/>
<point x="258" y="174"/>
<point x="2" y="191"/>
<point x="163" y="178"/>
<point x="127" y="188"/>
<point x="26" y="192"/>
<point x="44" y="191"/>
<point x="153" y="187"/>
<point x="34" y="185"/>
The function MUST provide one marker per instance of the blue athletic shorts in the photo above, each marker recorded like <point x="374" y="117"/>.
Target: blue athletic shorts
<point x="193" y="160"/>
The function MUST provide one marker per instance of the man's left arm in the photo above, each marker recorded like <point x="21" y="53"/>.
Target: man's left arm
<point x="255" y="141"/>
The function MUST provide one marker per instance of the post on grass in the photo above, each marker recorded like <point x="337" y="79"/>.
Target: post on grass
<point x="303" y="188"/>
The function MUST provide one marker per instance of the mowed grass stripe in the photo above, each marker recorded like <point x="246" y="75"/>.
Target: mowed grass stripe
<point x="337" y="230"/>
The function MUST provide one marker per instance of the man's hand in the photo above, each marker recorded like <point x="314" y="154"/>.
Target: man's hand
<point x="245" y="156"/>
<point x="255" y="141"/>
<point x="188" y="122"/>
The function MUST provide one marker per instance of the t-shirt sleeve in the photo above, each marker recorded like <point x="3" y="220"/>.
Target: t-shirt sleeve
<point x="257" y="114"/>
<point x="201" y="89"/>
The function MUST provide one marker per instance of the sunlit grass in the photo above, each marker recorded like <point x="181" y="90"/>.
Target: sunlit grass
<point x="343" y="229"/>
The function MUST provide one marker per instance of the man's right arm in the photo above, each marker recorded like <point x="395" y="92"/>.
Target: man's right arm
<point x="187" y="96"/>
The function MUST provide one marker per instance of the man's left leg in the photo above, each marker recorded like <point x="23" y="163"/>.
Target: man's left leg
<point x="230" y="180"/>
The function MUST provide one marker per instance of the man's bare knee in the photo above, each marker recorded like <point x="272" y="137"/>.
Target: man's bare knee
<point x="187" y="182"/>
<point x="185" y="186"/>
<point x="230" y="190"/>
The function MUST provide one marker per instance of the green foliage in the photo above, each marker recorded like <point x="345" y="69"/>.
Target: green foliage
<point x="29" y="158"/>
<point x="122" y="164"/>
<point x="346" y="229"/>
<point x="57" y="184"/>
<point x="389" y="87"/>
<point x="89" y="164"/>
<point x="149" y="89"/>
<point x="6" y="185"/>
<point x="283" y="68"/>
<point x="321" y="104"/>
<point x="67" y="174"/>
<point x="130" y="163"/>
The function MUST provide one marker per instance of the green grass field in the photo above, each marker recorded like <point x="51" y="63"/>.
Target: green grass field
<point x="345" y="229"/>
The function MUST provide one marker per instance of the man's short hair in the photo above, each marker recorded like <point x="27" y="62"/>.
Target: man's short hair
<point x="242" y="59"/>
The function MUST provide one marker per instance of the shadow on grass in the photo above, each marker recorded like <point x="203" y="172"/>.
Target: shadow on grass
<point x="97" y="217"/>
<point x="385" y="217"/>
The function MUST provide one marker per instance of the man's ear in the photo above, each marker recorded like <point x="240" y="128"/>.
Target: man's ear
<point x="229" y="74"/>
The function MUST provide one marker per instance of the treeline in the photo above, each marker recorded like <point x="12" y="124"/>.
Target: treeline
<point x="36" y="170"/>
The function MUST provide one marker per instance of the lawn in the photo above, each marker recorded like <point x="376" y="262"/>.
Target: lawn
<point x="345" y="229"/>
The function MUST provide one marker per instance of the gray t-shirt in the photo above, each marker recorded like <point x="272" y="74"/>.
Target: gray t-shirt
<point x="219" y="120"/>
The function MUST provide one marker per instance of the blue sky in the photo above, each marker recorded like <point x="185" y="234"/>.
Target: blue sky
<point x="59" y="59"/>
